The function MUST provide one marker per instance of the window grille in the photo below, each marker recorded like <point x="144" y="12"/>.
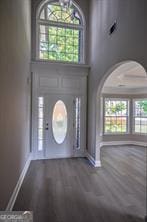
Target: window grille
<point x="116" y="116"/>
<point x="140" y="116"/>
<point x="40" y="122"/>
<point x="60" y="33"/>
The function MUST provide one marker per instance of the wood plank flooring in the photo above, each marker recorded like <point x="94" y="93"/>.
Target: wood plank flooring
<point x="71" y="190"/>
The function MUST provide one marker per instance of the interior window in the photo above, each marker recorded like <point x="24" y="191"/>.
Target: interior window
<point x="116" y="116"/>
<point x="140" y="116"/>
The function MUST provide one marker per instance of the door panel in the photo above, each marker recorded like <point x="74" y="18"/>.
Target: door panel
<point x="58" y="122"/>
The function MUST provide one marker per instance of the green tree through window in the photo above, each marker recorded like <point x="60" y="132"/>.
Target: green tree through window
<point x="60" y="33"/>
<point x="140" y="116"/>
<point x="143" y="105"/>
<point x="116" y="116"/>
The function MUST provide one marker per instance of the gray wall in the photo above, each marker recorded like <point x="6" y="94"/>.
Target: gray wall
<point x="14" y="93"/>
<point x="127" y="43"/>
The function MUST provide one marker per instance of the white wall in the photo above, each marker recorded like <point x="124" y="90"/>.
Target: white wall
<point x="14" y="93"/>
<point x="127" y="43"/>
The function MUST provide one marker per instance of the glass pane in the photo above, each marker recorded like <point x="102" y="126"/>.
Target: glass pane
<point x="42" y="14"/>
<point x="140" y="115"/>
<point x="40" y="101"/>
<point x="141" y="107"/>
<point x="115" y="108"/>
<point x="40" y="113"/>
<point x="143" y="125"/>
<point x="56" y="13"/>
<point x="40" y="145"/>
<point x="40" y="122"/>
<point x="61" y="44"/>
<point x="77" y="125"/>
<point x="137" y="125"/>
<point x="115" y="124"/>
<point x="59" y="122"/>
<point x="116" y="115"/>
<point x="40" y="134"/>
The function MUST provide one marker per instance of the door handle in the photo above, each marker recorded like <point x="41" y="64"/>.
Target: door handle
<point x="46" y="126"/>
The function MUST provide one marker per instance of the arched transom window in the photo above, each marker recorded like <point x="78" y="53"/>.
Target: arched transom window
<point x="60" y="33"/>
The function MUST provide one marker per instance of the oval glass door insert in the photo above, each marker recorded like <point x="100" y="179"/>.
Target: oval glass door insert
<point x="59" y="122"/>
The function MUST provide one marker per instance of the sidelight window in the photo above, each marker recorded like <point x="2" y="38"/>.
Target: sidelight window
<point x="40" y="122"/>
<point x="77" y="122"/>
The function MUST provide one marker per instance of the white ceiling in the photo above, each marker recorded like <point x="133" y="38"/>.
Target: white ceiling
<point x="130" y="75"/>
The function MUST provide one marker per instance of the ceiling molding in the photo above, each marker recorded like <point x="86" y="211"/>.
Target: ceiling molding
<point x="119" y="90"/>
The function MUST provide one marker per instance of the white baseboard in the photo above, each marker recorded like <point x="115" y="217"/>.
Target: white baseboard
<point x="58" y="157"/>
<point x="114" y="143"/>
<point x="95" y="163"/>
<point x="18" y="185"/>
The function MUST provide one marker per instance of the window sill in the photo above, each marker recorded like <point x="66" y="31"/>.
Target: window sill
<point x="139" y="134"/>
<point x="115" y="134"/>
<point x="62" y="63"/>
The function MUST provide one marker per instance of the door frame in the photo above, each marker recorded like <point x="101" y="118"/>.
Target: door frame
<point x="58" y="79"/>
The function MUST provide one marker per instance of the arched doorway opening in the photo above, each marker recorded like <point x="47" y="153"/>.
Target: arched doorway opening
<point x="122" y="90"/>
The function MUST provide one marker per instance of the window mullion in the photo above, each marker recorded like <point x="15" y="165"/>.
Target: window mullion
<point x="61" y="24"/>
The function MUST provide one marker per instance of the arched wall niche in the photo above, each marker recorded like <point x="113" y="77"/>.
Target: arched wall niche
<point x="98" y="134"/>
<point x="107" y="74"/>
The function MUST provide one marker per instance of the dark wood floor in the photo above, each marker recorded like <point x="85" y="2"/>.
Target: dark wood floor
<point x="71" y="190"/>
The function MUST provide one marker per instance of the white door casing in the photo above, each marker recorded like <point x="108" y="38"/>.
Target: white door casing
<point x="54" y="82"/>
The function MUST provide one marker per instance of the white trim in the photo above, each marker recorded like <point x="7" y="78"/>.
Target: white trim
<point x="115" y="143"/>
<point x="59" y="157"/>
<point x="18" y="185"/>
<point x="95" y="163"/>
<point x="124" y="91"/>
<point x="60" y="24"/>
<point x="59" y="64"/>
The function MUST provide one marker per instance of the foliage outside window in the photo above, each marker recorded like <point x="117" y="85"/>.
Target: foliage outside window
<point x="40" y="122"/>
<point x="77" y="122"/>
<point x="116" y="116"/>
<point x="60" y="33"/>
<point x="140" y="116"/>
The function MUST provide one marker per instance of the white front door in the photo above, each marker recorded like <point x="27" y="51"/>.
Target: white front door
<point x="58" y="126"/>
<point x="61" y="126"/>
<point x="58" y="111"/>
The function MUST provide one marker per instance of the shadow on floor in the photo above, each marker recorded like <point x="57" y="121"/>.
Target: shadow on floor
<point x="69" y="212"/>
